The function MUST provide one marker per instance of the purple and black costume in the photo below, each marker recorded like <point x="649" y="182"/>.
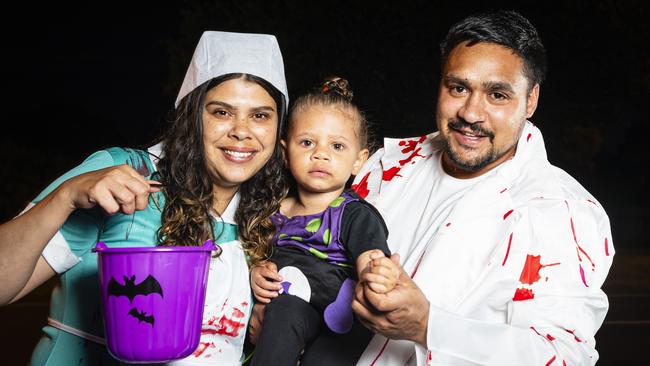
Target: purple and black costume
<point x="316" y="254"/>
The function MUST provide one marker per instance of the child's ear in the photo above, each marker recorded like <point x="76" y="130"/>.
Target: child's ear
<point x="362" y="156"/>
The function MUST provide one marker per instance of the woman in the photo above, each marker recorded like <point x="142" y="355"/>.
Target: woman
<point x="218" y="175"/>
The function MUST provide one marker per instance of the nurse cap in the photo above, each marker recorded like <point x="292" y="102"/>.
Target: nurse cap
<point x="220" y="53"/>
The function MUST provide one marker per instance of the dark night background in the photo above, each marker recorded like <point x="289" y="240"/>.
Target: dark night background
<point x="81" y="78"/>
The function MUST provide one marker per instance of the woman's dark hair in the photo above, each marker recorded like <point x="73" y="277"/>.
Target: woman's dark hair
<point x="187" y="215"/>
<point x="506" y="28"/>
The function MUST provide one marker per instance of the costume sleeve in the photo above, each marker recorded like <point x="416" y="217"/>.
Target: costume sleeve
<point x="80" y="231"/>
<point x="362" y="229"/>
<point x="558" y="305"/>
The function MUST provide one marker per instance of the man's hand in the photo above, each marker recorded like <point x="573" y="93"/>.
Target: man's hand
<point x="402" y="313"/>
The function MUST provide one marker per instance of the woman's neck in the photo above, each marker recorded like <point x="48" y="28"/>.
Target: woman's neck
<point x="221" y="197"/>
<point x="308" y="203"/>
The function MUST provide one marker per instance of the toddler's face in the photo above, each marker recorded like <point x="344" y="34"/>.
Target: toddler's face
<point x="323" y="148"/>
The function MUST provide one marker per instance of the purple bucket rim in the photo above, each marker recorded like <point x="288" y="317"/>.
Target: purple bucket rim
<point x="208" y="246"/>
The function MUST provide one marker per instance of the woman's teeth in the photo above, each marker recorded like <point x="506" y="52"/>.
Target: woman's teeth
<point x="238" y="154"/>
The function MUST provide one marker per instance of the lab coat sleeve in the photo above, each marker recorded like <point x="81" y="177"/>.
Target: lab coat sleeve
<point x="558" y="305"/>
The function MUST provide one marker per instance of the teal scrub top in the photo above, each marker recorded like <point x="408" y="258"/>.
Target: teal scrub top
<point x="76" y="300"/>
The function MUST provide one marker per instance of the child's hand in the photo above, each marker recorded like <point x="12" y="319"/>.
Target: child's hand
<point x="265" y="281"/>
<point x="382" y="275"/>
<point x="379" y="273"/>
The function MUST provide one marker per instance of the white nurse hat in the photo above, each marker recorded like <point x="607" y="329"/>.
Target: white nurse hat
<point x="221" y="53"/>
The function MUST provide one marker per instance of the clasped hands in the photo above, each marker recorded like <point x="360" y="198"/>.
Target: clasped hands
<point x="400" y="311"/>
<point x="386" y="300"/>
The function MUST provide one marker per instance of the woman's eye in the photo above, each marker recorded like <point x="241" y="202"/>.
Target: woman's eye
<point x="220" y="112"/>
<point x="261" y="116"/>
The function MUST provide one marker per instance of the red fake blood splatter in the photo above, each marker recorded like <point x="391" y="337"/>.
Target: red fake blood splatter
<point x="391" y="173"/>
<point x="530" y="275"/>
<point x="448" y="224"/>
<point x="225" y="326"/>
<point x="548" y="336"/>
<point x="236" y="313"/>
<point x="244" y="304"/>
<point x="202" y="347"/>
<point x="362" y="187"/>
<point x="563" y="363"/>
<point x="415" y="154"/>
<point x="528" y="137"/>
<point x="606" y="248"/>
<point x="594" y="203"/>
<point x="522" y="294"/>
<point x="503" y="190"/>
<point x="573" y="334"/>
<point x="411" y="144"/>
<point x="582" y="275"/>
<point x="507" y="214"/>
<point x="507" y="251"/>
<point x="575" y="239"/>
<point x="551" y="360"/>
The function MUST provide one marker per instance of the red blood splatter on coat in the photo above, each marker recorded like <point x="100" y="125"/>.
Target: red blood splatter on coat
<point x="507" y="214"/>
<point x="362" y="187"/>
<point x="202" y="347"/>
<point x="391" y="173"/>
<point x="606" y="248"/>
<point x="530" y="273"/>
<point x="415" y="154"/>
<point x="528" y="137"/>
<point x="503" y="190"/>
<point x="522" y="294"/>
<point x="582" y="275"/>
<point x="573" y="334"/>
<point x="507" y="250"/>
<point x="236" y="313"/>
<point x="411" y="144"/>
<point x="575" y="239"/>
<point x="224" y="326"/>
<point x="551" y="360"/>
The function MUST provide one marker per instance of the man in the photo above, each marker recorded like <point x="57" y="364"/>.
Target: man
<point x="503" y="254"/>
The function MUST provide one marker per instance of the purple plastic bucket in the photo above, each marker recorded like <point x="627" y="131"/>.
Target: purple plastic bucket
<point x="152" y="300"/>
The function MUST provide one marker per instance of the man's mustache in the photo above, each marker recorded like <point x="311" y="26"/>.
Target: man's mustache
<point x="460" y="124"/>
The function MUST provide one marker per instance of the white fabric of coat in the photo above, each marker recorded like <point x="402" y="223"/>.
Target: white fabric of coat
<point x="513" y="272"/>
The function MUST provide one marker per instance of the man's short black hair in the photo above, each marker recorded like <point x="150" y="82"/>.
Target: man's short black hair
<point x="506" y="28"/>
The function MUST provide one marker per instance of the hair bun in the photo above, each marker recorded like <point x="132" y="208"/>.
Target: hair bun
<point x="335" y="85"/>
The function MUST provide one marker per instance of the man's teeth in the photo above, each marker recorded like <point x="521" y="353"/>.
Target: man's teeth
<point x="470" y="134"/>
<point x="238" y="154"/>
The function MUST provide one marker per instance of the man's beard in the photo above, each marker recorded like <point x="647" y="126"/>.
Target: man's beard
<point x="479" y="162"/>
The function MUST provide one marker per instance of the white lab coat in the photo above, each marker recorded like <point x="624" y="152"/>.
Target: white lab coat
<point x="512" y="273"/>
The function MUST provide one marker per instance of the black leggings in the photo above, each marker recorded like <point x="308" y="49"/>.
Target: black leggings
<point x="291" y="325"/>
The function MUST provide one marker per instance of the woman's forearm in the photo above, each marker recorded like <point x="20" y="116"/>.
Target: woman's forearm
<point x="23" y="239"/>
